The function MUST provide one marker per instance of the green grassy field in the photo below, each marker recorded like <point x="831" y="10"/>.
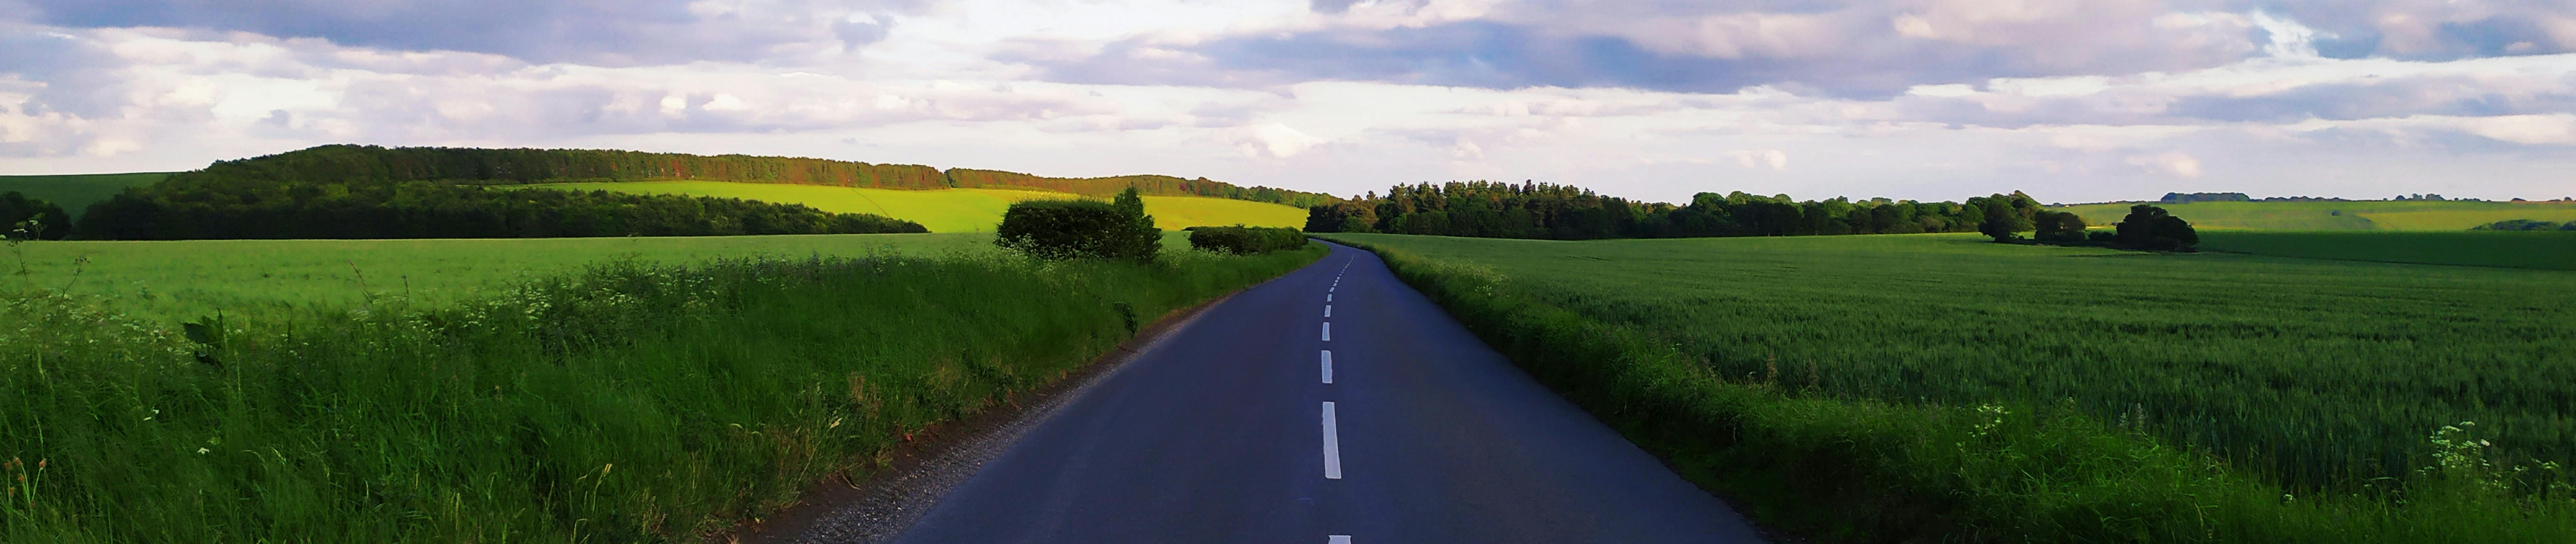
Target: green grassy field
<point x="2553" y="250"/>
<point x="186" y="278"/>
<point x="2326" y="216"/>
<point x="958" y="210"/>
<point x="543" y="396"/>
<point x="75" y="192"/>
<point x="1962" y="386"/>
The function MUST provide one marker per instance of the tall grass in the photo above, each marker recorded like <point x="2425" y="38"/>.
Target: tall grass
<point x="633" y="402"/>
<point x="1826" y="450"/>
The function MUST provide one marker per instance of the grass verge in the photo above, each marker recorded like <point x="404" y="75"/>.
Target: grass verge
<point x="1861" y="470"/>
<point x="634" y="402"/>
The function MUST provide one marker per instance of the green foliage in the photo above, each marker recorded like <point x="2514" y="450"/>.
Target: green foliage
<point x="2526" y="225"/>
<point x="1342" y="217"/>
<point x="1241" y="240"/>
<point x="1538" y="210"/>
<point x="36" y="218"/>
<point x="2007" y="394"/>
<point x="2548" y="250"/>
<point x="2005" y="218"/>
<point x="75" y="192"/>
<point x="2058" y="227"/>
<point x="632" y="402"/>
<point x="1079" y="229"/>
<point x="2149" y="227"/>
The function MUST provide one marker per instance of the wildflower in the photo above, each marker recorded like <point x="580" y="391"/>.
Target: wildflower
<point x="201" y="451"/>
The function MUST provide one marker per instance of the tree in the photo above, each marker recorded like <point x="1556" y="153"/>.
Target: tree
<point x="2002" y="220"/>
<point x="2058" y="227"/>
<point x="2151" y="227"/>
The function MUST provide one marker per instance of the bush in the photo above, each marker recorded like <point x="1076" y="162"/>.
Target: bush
<point x="42" y="220"/>
<point x="1242" y="240"/>
<point x="2508" y="224"/>
<point x="1078" y="229"/>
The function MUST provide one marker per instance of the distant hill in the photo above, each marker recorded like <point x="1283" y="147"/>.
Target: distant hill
<point x="354" y="191"/>
<point x="2406" y="215"/>
<point x="525" y="166"/>
<point x="75" y="192"/>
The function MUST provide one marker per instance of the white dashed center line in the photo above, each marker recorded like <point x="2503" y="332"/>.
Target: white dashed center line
<point x="1328" y="331"/>
<point x="1332" y="445"/>
<point x="1328" y="297"/>
<point x="1337" y="539"/>
<point x="1328" y="310"/>
<point x="1328" y="366"/>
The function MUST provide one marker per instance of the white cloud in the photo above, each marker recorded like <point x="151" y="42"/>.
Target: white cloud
<point x="2172" y="163"/>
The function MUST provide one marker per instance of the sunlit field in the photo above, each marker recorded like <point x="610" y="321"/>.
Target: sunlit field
<point x="958" y="210"/>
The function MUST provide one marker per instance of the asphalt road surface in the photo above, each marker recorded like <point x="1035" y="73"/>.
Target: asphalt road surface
<point x="1331" y="405"/>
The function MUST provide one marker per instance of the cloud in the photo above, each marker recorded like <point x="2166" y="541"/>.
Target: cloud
<point x="1272" y="140"/>
<point x="597" y="32"/>
<point x="2173" y="163"/>
<point x="1838" y="48"/>
<point x="1750" y="158"/>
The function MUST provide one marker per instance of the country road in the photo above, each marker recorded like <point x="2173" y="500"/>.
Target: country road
<point x="1331" y="405"/>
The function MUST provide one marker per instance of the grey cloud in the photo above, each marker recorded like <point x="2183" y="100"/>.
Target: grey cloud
<point x="1585" y="45"/>
<point x="78" y="75"/>
<point x="601" y="32"/>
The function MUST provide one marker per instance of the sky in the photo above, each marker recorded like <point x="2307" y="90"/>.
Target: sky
<point x="2070" y="101"/>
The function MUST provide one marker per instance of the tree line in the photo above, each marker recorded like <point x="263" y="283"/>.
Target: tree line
<point x="1562" y="212"/>
<point x="213" y="206"/>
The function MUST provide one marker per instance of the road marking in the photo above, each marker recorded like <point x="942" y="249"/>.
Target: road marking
<point x="1328" y="297"/>
<point x="1337" y="539"/>
<point x="1328" y="331"/>
<point x="1328" y="310"/>
<point x="1328" y="366"/>
<point x="1332" y="445"/>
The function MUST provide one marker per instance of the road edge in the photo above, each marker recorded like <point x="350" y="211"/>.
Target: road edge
<point x="887" y="501"/>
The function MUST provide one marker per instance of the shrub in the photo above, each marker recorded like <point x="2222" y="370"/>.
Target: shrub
<point x="40" y="219"/>
<point x="2508" y="224"/>
<point x="1079" y="229"/>
<point x="1242" y="240"/>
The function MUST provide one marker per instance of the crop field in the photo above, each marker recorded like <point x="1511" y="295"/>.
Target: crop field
<point x="2554" y="250"/>
<point x="958" y="210"/>
<point x="2328" y="216"/>
<point x="558" y="390"/>
<point x="75" y="192"/>
<point x="2320" y="373"/>
<point x="184" y="279"/>
<point x="175" y="279"/>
